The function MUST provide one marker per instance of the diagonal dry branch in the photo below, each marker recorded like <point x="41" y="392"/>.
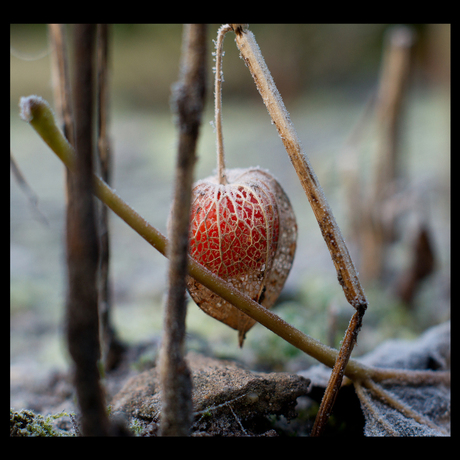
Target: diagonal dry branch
<point x="38" y="113"/>
<point x="346" y="272"/>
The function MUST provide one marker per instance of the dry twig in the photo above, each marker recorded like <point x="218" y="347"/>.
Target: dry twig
<point x="219" y="78"/>
<point x="83" y="250"/>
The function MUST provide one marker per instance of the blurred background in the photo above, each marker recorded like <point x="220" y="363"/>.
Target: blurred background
<point x="327" y="74"/>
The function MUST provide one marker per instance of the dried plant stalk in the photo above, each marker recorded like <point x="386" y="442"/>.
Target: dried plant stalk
<point x="83" y="250"/>
<point x="175" y="378"/>
<point x="346" y="273"/>
<point x="335" y="381"/>
<point x="111" y="346"/>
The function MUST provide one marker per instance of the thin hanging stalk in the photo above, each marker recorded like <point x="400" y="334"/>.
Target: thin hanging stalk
<point x="219" y="77"/>
<point x="189" y="96"/>
<point x="346" y="273"/>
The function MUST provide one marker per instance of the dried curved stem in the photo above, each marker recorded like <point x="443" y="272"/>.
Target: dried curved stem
<point x="37" y="112"/>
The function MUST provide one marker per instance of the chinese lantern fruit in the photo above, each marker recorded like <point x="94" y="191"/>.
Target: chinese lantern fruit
<point x="245" y="232"/>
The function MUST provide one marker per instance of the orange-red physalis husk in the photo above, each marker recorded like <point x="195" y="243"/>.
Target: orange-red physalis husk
<point x="245" y="232"/>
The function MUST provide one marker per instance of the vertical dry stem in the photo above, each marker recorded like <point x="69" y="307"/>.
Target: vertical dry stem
<point x="103" y="156"/>
<point x="393" y="84"/>
<point x="189" y="94"/>
<point x="82" y="248"/>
